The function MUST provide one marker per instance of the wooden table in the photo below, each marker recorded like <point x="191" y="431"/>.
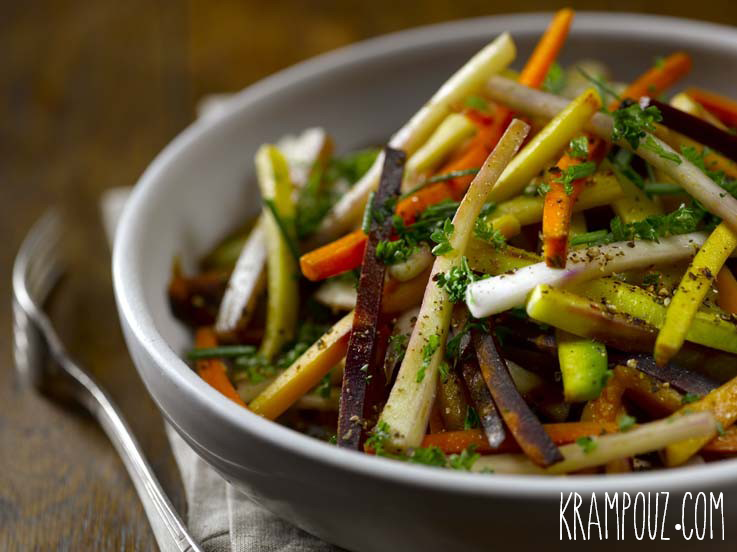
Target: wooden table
<point x="90" y="93"/>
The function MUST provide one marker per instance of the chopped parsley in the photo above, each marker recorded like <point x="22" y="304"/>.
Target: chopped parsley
<point x="428" y="456"/>
<point x="441" y="236"/>
<point x="575" y="172"/>
<point x="392" y="252"/>
<point x="477" y="102"/>
<point x="472" y="420"/>
<point x="626" y="422"/>
<point x="587" y="444"/>
<point x="659" y="62"/>
<point x="456" y="280"/>
<point x="681" y="221"/>
<point x="579" y="147"/>
<point x="652" y="279"/>
<point x="398" y="345"/>
<point x="555" y="79"/>
<point x="410" y="236"/>
<point x="484" y="230"/>
<point x="688" y="398"/>
<point x="465" y="460"/>
<point x="431" y="345"/>
<point x="632" y="122"/>
<point x="651" y="144"/>
<point x="378" y="438"/>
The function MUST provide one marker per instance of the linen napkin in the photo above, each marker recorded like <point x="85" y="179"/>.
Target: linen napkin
<point x="219" y="517"/>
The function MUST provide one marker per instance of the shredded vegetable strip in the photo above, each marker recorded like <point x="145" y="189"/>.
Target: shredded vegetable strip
<point x="722" y="107"/>
<point x="559" y="202"/>
<point x="694" y="286"/>
<point x="658" y="79"/>
<point x="600" y="450"/>
<point x="499" y="293"/>
<point x="362" y="364"/>
<point x="545" y="145"/>
<point x="306" y="372"/>
<point x="408" y="407"/>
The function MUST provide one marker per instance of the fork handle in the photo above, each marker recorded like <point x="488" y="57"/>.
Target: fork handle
<point x="169" y="529"/>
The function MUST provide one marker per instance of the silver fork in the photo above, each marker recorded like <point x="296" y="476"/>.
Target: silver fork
<point x="42" y="361"/>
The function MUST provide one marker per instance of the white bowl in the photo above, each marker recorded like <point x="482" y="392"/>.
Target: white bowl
<point x="202" y="185"/>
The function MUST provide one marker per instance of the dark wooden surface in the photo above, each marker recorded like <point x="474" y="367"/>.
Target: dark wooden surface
<point x="89" y="92"/>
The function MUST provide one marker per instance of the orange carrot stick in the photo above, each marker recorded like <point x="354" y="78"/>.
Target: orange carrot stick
<point x="727" y="288"/>
<point x="558" y="206"/>
<point x="453" y="442"/>
<point x="725" y="109"/>
<point x="212" y="370"/>
<point x="656" y="80"/>
<point x="539" y="63"/>
<point x="343" y="254"/>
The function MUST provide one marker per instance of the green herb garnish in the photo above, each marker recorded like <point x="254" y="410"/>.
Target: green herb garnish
<point x="579" y="147"/>
<point x="632" y="123"/>
<point x="555" y="79"/>
<point x="626" y="422"/>
<point x="587" y="444"/>
<point x="651" y="144"/>
<point x="688" y="398"/>
<point x="456" y="280"/>
<point x="431" y="345"/>
<point x="441" y="236"/>
<point x="477" y="102"/>
<point x="472" y="420"/>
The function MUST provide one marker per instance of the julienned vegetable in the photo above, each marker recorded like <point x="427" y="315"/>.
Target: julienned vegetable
<point x="437" y="334"/>
<point x="362" y="372"/>
<point x="599" y="450"/>
<point x="282" y="297"/>
<point x="519" y="418"/>
<point x="692" y="290"/>
<point x="499" y="293"/>
<point x="408" y="407"/>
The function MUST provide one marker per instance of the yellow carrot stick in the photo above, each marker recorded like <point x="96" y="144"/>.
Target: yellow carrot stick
<point x="306" y="372"/>
<point x="722" y="403"/>
<point x="546" y="144"/>
<point x="691" y="292"/>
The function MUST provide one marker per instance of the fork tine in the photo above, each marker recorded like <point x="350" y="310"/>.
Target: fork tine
<point x="37" y="266"/>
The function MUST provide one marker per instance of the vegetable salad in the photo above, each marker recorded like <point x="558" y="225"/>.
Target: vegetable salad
<point x="533" y="275"/>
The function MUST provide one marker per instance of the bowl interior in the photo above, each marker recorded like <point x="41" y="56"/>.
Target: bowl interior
<point x="202" y="185"/>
